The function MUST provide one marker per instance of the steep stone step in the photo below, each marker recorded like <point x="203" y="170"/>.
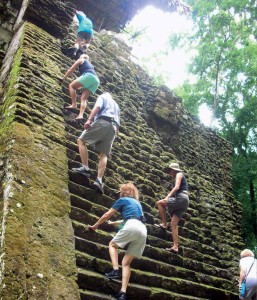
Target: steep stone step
<point x="88" y="278"/>
<point x="156" y="294"/>
<point x="169" y="266"/>
<point x="88" y="217"/>
<point x="188" y="252"/>
<point x="192" y="248"/>
<point x="92" y="295"/>
<point x="149" y="265"/>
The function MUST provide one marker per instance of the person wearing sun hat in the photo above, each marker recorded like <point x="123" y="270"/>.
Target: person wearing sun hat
<point x="176" y="202"/>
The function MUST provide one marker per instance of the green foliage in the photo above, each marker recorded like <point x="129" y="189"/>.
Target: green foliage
<point x="225" y="68"/>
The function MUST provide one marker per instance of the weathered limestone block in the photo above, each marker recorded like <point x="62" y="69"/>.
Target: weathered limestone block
<point x="53" y="16"/>
<point x="37" y="243"/>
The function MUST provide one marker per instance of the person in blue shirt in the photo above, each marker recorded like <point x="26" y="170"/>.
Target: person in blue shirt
<point x="85" y="32"/>
<point x="88" y="81"/>
<point x="133" y="234"/>
<point x="100" y="131"/>
<point x="176" y="201"/>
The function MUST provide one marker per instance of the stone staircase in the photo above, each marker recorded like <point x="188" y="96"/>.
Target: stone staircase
<point x="199" y="271"/>
<point x="155" y="129"/>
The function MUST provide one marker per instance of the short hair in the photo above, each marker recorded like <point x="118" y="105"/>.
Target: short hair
<point x="246" y="252"/>
<point x="129" y="190"/>
<point x="84" y="56"/>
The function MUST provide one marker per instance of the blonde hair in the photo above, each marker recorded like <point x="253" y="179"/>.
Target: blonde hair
<point x="246" y="252"/>
<point x="129" y="190"/>
<point x="84" y="56"/>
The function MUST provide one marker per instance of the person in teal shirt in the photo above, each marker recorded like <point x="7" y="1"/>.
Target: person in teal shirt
<point x="132" y="235"/>
<point x="85" y="32"/>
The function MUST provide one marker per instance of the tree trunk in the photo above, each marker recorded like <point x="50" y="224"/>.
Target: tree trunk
<point x="253" y="203"/>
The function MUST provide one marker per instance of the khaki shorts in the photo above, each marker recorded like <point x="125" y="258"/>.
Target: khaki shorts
<point x="178" y="205"/>
<point x="134" y="234"/>
<point x="89" y="81"/>
<point x="101" y="135"/>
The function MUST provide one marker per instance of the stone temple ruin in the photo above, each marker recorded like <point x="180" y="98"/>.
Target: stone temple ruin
<point x="47" y="251"/>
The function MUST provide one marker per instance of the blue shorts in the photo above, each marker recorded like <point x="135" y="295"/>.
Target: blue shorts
<point x="89" y="81"/>
<point x="85" y="35"/>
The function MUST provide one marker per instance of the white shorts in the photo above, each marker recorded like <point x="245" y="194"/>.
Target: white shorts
<point x="133" y="233"/>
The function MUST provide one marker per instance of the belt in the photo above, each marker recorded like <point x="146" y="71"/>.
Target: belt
<point x="184" y="192"/>
<point x="108" y="119"/>
<point x="132" y="217"/>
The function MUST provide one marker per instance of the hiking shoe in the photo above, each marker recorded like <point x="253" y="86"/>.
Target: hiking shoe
<point x="113" y="274"/>
<point x="98" y="186"/>
<point x="121" y="296"/>
<point x="81" y="170"/>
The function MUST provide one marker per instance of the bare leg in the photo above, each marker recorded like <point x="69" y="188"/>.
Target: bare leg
<point x="78" y="43"/>
<point x="73" y="86"/>
<point x="83" y="103"/>
<point x="113" y="250"/>
<point x="174" y="231"/>
<point x="83" y="152"/>
<point x="102" y="164"/>
<point x="162" y="211"/>
<point x="126" y="271"/>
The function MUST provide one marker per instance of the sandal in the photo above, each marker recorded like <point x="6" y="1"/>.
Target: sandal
<point x="67" y="106"/>
<point x="171" y="250"/>
<point x="160" y="226"/>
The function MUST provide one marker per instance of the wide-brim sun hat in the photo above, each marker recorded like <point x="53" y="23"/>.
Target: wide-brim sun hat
<point x="174" y="166"/>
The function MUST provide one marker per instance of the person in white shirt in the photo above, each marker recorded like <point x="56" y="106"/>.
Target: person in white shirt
<point x="248" y="272"/>
<point x="100" y="131"/>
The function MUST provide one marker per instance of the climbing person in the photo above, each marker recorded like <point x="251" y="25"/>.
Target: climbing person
<point x="176" y="201"/>
<point x="88" y="82"/>
<point x="133" y="234"/>
<point x="248" y="273"/>
<point x="100" y="131"/>
<point x="85" y="32"/>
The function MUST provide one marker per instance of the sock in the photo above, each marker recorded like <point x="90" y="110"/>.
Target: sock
<point x="75" y="51"/>
<point x="86" y="167"/>
<point x="100" y="179"/>
<point x="84" y="49"/>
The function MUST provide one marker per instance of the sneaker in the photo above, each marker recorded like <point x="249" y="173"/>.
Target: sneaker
<point x="113" y="274"/>
<point x="121" y="296"/>
<point x="75" y="52"/>
<point x="81" y="170"/>
<point x="98" y="186"/>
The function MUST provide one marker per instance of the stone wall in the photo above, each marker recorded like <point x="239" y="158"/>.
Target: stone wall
<point x="46" y="209"/>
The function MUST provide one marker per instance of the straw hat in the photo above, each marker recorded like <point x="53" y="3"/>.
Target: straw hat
<point x="174" y="166"/>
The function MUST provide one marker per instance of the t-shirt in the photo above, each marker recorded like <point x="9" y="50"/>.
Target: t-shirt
<point x="108" y="107"/>
<point x="128" y="207"/>
<point x="85" y="24"/>
<point x="245" y="264"/>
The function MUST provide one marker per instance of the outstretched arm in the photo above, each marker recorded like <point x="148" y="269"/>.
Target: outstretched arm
<point x="90" y="119"/>
<point x="104" y="218"/>
<point x="118" y="222"/>
<point x="72" y="68"/>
